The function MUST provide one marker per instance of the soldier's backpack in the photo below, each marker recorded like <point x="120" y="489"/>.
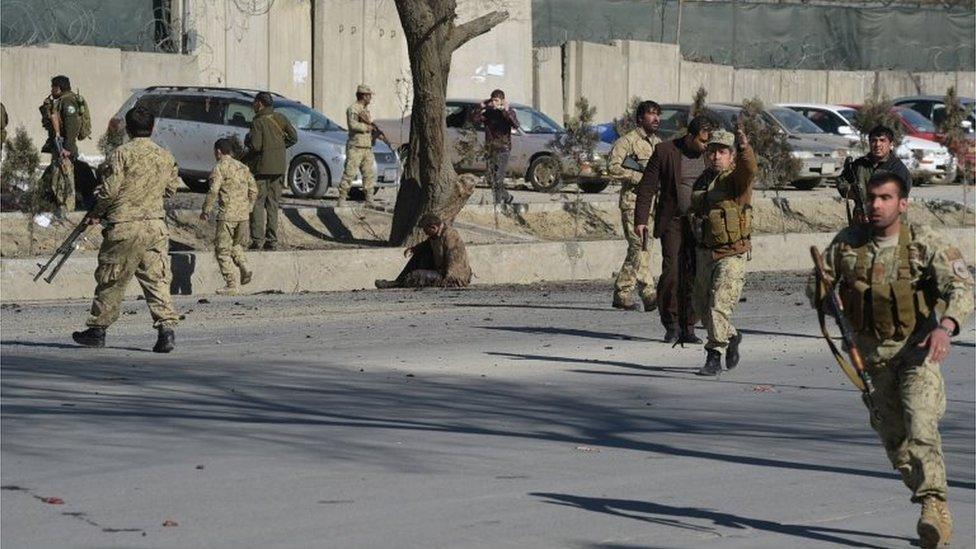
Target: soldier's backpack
<point x="84" y="113"/>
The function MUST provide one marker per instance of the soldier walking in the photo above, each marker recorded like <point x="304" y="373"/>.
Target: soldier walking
<point x="232" y="194"/>
<point x="891" y="275"/>
<point x="722" y="206"/>
<point x="359" y="147"/>
<point x="271" y="133"/>
<point x="852" y="183"/>
<point x="138" y="176"/>
<point x="638" y="144"/>
<point x="61" y="116"/>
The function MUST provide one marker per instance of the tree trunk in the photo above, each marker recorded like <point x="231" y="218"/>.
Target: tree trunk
<point x="429" y="183"/>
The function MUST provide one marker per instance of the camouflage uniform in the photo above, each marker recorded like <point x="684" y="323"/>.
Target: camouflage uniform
<point x="271" y="134"/>
<point x="720" y="268"/>
<point x="635" y="272"/>
<point x="138" y="176"/>
<point x="233" y="192"/>
<point x="909" y="396"/>
<point x="59" y="177"/>
<point x="359" y="152"/>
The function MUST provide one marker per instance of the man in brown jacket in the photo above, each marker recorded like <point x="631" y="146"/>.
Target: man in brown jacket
<point x="271" y="133"/>
<point x="671" y="173"/>
<point x="441" y="260"/>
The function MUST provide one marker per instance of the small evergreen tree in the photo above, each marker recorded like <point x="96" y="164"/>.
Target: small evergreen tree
<point x="18" y="174"/>
<point x="877" y="110"/>
<point x="954" y="135"/>
<point x="777" y="166"/>
<point x="627" y="122"/>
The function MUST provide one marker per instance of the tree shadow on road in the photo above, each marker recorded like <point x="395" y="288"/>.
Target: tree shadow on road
<point x="711" y="521"/>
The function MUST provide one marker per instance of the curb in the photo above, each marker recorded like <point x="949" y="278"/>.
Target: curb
<point x="196" y="273"/>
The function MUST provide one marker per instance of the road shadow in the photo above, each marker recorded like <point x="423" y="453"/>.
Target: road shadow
<point x="56" y="345"/>
<point x="704" y="521"/>
<point x="532" y="306"/>
<point x="575" y="332"/>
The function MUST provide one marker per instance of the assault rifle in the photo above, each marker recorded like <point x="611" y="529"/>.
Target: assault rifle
<point x="831" y="304"/>
<point x="64" y="251"/>
<point x="631" y="163"/>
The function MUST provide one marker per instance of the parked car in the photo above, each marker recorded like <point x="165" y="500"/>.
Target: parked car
<point x="819" y="161"/>
<point x="927" y="161"/>
<point x="932" y="107"/>
<point x="532" y="156"/>
<point x="190" y="118"/>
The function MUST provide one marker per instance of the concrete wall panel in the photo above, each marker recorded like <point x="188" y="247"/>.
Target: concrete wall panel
<point x="897" y="83"/>
<point x="652" y="70"/>
<point x="339" y="42"/>
<point x="207" y="38"/>
<point x="966" y="84"/>
<point x="803" y="86"/>
<point x="386" y="65"/>
<point x="247" y="48"/>
<point x="718" y="80"/>
<point x="849" y="86"/>
<point x="752" y="83"/>
<point x="547" y="81"/>
<point x="935" y="82"/>
<point x="290" y="49"/>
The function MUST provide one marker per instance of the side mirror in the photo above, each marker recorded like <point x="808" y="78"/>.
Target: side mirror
<point x="967" y="125"/>
<point x="845" y="130"/>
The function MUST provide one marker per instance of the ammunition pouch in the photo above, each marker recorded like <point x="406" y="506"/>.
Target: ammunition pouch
<point x="726" y="223"/>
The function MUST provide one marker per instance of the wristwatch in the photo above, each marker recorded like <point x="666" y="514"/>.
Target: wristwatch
<point x="948" y="331"/>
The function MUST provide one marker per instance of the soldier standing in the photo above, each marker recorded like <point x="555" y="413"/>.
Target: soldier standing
<point x="638" y="144"/>
<point x="852" y="183"/>
<point x="61" y="115"/>
<point x="232" y="193"/>
<point x="722" y="206"/>
<point x="359" y="147"/>
<point x="271" y="133"/>
<point x="891" y="275"/>
<point x="138" y="176"/>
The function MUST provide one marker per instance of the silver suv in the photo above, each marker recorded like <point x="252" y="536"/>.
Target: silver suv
<point x="190" y="118"/>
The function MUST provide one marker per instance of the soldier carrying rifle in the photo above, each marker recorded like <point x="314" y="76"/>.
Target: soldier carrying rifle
<point x="889" y="277"/>
<point x="65" y="116"/>
<point x="852" y="184"/>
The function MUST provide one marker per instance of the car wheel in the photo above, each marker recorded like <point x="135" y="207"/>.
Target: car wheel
<point x="807" y="184"/>
<point x="544" y="174"/>
<point x="197" y="185"/>
<point x="593" y="186"/>
<point x="308" y="177"/>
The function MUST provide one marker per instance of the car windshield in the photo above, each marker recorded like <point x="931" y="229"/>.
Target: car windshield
<point x="794" y="122"/>
<point x="917" y="121"/>
<point x="533" y="121"/>
<point x="849" y="115"/>
<point x="305" y="118"/>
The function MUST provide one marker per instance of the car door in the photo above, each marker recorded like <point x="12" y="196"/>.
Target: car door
<point x="535" y="134"/>
<point x="237" y="119"/>
<point x="465" y="138"/>
<point x="193" y="124"/>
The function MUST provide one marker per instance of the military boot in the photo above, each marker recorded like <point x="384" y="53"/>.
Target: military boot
<point x="92" y="337"/>
<point x="166" y="341"/>
<point x="625" y="302"/>
<point x="713" y="364"/>
<point x="246" y="277"/>
<point x="650" y="301"/>
<point x="935" y="524"/>
<point x="229" y="289"/>
<point x="732" y="353"/>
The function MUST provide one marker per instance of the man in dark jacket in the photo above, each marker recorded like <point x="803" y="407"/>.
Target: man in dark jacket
<point x="271" y="133"/>
<point x="499" y="120"/>
<point x="670" y="175"/>
<point x="852" y="183"/>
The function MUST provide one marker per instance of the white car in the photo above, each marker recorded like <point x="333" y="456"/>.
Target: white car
<point x="927" y="161"/>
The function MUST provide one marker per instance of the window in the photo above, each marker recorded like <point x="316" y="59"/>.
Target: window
<point x="238" y="115"/>
<point x="306" y="118"/>
<point x="672" y="121"/>
<point x="154" y="103"/>
<point x="459" y="116"/>
<point x="208" y="110"/>
<point x="825" y="120"/>
<point x="793" y="121"/>
<point x="916" y="120"/>
<point x="533" y="121"/>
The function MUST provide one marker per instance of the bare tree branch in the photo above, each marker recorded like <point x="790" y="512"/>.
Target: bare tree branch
<point x="474" y="28"/>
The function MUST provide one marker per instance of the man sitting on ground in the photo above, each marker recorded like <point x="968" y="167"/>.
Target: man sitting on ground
<point x="441" y="260"/>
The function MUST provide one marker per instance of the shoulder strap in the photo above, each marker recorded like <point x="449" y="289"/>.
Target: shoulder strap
<point x="904" y="240"/>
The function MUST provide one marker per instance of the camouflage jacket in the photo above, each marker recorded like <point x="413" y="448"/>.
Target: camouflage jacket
<point x="67" y="109"/>
<point x="232" y="190"/>
<point x="360" y="133"/>
<point x="637" y="143"/>
<point x="136" y="179"/>
<point x="853" y="181"/>
<point x="937" y="267"/>
<point x="734" y="184"/>
<point x="271" y="133"/>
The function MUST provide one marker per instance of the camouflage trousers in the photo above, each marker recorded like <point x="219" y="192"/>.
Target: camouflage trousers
<point x="230" y="239"/>
<point x="358" y="160"/>
<point x="718" y="286"/>
<point x="264" y="215"/>
<point x="138" y="248"/>
<point x="58" y="181"/>
<point x="909" y="397"/>
<point x="635" y="272"/>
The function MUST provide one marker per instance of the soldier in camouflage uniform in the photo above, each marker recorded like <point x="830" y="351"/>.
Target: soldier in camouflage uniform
<point x="232" y="193"/>
<point x="61" y="117"/>
<point x="135" y="240"/>
<point x="852" y="183"/>
<point x="271" y="134"/>
<point x="722" y="220"/>
<point x="639" y="145"/>
<point x="359" y="147"/>
<point x="891" y="276"/>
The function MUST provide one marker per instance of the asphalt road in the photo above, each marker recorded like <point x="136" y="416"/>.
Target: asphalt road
<point x="494" y="417"/>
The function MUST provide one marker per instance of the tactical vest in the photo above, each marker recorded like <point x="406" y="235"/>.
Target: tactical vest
<point x="885" y="310"/>
<point x="725" y="223"/>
